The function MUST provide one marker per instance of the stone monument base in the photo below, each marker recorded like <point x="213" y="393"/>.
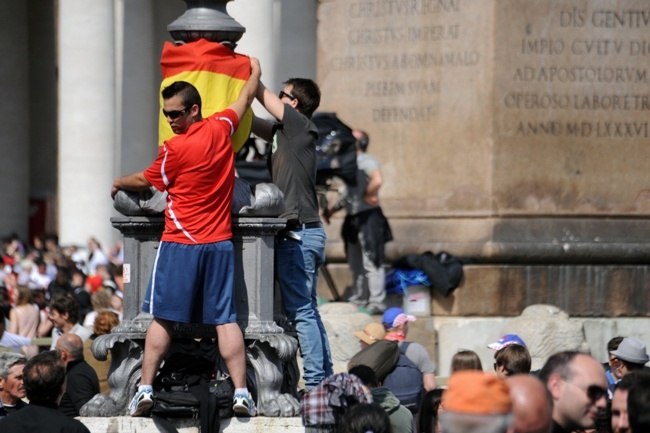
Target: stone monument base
<point x="582" y="290"/>
<point x="125" y="424"/>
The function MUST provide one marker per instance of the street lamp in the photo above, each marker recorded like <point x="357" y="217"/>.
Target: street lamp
<point x="207" y="19"/>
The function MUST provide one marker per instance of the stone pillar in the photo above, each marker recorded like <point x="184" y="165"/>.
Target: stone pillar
<point x="15" y="125"/>
<point x="86" y="119"/>
<point x="43" y="103"/>
<point x="139" y="75"/>
<point x="281" y="34"/>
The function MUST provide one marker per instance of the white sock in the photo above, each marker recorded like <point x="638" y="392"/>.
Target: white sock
<point x="145" y="387"/>
<point x="241" y="391"/>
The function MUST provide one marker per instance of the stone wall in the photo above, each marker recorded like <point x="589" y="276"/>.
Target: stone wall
<point x="512" y="133"/>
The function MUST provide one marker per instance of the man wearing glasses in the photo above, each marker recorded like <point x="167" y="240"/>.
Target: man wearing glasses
<point x="194" y="265"/>
<point x="578" y="386"/>
<point x="300" y="247"/>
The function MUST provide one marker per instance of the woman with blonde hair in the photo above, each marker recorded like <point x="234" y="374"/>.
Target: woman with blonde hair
<point x="24" y="318"/>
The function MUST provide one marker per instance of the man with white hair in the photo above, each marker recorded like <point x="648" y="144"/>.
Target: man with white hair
<point x="12" y="389"/>
<point x="44" y="385"/>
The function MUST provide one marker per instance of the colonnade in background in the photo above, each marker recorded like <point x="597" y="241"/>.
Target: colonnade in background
<point x="80" y="84"/>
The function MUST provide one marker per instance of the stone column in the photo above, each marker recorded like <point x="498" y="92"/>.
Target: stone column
<point x="14" y="128"/>
<point x="282" y="35"/>
<point x="138" y="142"/>
<point x="86" y="119"/>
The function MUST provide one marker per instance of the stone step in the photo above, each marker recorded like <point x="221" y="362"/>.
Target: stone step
<point x="125" y="424"/>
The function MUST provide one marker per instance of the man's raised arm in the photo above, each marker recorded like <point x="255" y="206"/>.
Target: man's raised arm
<point x="249" y="90"/>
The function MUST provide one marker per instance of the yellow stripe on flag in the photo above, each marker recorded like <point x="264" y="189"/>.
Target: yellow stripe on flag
<point x="217" y="92"/>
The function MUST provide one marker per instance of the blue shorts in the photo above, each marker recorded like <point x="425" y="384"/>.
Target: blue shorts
<point x="193" y="283"/>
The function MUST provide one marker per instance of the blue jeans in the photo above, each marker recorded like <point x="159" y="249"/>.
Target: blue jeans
<point x="297" y="274"/>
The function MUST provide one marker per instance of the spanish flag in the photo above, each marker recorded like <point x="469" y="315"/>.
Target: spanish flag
<point x="217" y="72"/>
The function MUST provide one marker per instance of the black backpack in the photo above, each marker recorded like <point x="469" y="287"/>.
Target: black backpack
<point x="187" y="386"/>
<point x="405" y="381"/>
<point x="381" y="356"/>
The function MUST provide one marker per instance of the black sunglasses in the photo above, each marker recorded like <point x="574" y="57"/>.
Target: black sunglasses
<point x="594" y="392"/>
<point x="175" y="114"/>
<point x="282" y="94"/>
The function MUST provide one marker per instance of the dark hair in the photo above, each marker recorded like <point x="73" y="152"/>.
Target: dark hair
<point x="307" y="93"/>
<point x="514" y="358"/>
<point x="466" y="360"/>
<point x="560" y="364"/>
<point x="631" y="366"/>
<point x="365" y="418"/>
<point x="366" y="374"/>
<point x="638" y="402"/>
<point x="185" y="90"/>
<point x="44" y="376"/>
<point x="65" y="303"/>
<point x="427" y="417"/>
<point x="614" y="343"/>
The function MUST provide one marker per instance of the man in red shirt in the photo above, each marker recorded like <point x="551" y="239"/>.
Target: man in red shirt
<point x="192" y="276"/>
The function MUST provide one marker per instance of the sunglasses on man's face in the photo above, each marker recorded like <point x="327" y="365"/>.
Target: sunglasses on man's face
<point x="175" y="114"/>
<point x="594" y="392"/>
<point x="282" y="94"/>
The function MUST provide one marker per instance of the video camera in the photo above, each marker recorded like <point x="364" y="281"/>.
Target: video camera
<point x="335" y="149"/>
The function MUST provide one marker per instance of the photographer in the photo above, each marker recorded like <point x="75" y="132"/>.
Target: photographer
<point x="365" y="230"/>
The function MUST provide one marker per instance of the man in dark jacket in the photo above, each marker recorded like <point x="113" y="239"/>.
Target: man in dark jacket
<point x="83" y="383"/>
<point x="44" y="378"/>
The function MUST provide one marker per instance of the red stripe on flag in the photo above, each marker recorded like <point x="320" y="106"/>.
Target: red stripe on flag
<point x="199" y="56"/>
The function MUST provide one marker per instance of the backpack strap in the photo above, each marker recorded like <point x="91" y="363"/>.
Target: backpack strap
<point x="208" y="412"/>
<point x="163" y="425"/>
<point x="403" y="347"/>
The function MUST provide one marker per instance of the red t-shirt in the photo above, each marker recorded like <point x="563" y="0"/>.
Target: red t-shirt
<point x="197" y="170"/>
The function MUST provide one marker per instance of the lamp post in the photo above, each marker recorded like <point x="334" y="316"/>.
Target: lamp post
<point x="206" y="19"/>
<point x="270" y="352"/>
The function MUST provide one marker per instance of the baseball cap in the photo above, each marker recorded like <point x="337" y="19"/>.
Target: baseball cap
<point x="507" y="340"/>
<point x="478" y="393"/>
<point x="371" y="333"/>
<point x="394" y="317"/>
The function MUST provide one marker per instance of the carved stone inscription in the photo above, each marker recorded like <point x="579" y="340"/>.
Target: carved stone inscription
<point x="413" y="74"/>
<point x="393" y="49"/>
<point x="577" y="69"/>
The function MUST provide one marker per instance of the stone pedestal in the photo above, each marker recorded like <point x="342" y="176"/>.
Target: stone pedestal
<point x="270" y="353"/>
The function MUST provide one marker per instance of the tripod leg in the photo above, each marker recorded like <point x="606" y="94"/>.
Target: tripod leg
<point x="330" y="282"/>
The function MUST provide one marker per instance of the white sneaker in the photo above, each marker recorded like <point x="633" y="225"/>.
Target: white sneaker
<point x="142" y="403"/>
<point x="243" y="405"/>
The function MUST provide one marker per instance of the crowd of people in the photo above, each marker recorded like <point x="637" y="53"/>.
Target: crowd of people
<point x="39" y="275"/>
<point x="571" y="393"/>
<point x="64" y="298"/>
